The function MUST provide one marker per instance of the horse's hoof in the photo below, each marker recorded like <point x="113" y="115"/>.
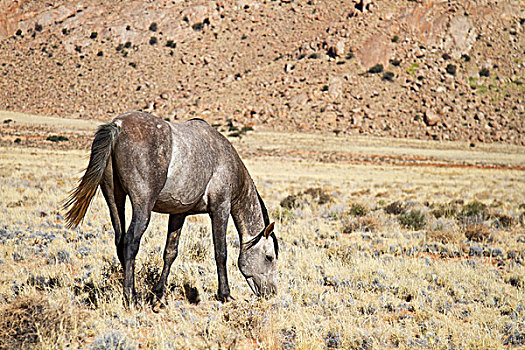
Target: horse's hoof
<point x="225" y="299"/>
<point x="158" y="306"/>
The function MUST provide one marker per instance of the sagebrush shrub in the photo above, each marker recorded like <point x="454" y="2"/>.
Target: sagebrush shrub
<point x="413" y="219"/>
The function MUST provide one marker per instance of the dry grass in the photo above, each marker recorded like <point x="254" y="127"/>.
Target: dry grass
<point x="379" y="285"/>
<point x="33" y="320"/>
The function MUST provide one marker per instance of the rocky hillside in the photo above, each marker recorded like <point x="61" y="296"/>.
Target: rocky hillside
<point x="445" y="70"/>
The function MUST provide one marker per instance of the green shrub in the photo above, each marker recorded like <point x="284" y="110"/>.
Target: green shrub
<point x="474" y="209"/>
<point x="198" y="26"/>
<point x="484" y="72"/>
<point x="57" y="138"/>
<point x="388" y="76"/>
<point x="289" y="202"/>
<point x="451" y="69"/>
<point x="378" y="68"/>
<point x="445" y="210"/>
<point x="395" y="208"/>
<point x="413" y="219"/>
<point x="357" y="210"/>
<point x="395" y="62"/>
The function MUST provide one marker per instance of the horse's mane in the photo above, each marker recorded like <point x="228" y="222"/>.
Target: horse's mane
<point x="266" y="219"/>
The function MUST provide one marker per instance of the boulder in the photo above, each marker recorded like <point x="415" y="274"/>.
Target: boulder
<point x="431" y="118"/>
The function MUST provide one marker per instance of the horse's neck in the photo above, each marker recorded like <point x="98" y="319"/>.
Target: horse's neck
<point x="247" y="214"/>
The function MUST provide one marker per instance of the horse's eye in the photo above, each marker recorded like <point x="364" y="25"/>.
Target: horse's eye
<point x="269" y="258"/>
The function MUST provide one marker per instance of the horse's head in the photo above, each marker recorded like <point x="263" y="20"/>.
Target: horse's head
<point x="258" y="260"/>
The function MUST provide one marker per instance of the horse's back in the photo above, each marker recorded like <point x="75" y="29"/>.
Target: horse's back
<point x="185" y="166"/>
<point x="203" y="166"/>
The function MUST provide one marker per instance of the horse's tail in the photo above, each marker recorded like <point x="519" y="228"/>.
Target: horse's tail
<point x="79" y="199"/>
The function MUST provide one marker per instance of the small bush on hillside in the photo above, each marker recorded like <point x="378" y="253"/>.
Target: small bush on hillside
<point x="413" y="219"/>
<point x="153" y="40"/>
<point x="198" y="26"/>
<point x="153" y="27"/>
<point x="484" y="72"/>
<point x="378" y="68"/>
<point x="395" y="62"/>
<point x="451" y="69"/>
<point x="388" y="76"/>
<point x="93" y="35"/>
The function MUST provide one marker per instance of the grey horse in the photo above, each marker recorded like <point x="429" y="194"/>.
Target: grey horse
<point x="178" y="169"/>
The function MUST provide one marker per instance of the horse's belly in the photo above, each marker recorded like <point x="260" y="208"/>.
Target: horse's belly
<point x="174" y="200"/>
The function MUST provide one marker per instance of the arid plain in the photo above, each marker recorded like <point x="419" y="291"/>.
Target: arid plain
<point x="384" y="243"/>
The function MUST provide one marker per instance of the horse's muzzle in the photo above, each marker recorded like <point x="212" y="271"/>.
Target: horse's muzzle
<point x="262" y="287"/>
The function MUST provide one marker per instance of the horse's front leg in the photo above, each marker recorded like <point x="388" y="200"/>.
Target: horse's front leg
<point x="219" y="222"/>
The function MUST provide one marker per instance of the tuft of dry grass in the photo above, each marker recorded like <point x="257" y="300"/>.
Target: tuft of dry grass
<point x="33" y="321"/>
<point x="365" y="224"/>
<point x="444" y="237"/>
<point x="478" y="233"/>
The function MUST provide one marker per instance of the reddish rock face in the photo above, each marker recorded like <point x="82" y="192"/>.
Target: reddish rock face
<point x="10" y="14"/>
<point x="283" y="64"/>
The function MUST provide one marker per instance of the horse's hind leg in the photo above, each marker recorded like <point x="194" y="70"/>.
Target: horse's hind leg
<point x="130" y="245"/>
<point x="170" y="253"/>
<point x="116" y="200"/>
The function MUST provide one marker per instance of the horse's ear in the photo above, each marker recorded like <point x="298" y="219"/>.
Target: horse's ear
<point x="268" y="230"/>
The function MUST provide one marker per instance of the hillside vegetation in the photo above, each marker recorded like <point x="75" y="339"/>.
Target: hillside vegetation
<point x="444" y="70"/>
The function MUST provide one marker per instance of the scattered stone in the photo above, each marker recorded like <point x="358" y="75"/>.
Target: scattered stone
<point x="431" y="118"/>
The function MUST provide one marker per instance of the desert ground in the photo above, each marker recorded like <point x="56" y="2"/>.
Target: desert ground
<point x="384" y="243"/>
